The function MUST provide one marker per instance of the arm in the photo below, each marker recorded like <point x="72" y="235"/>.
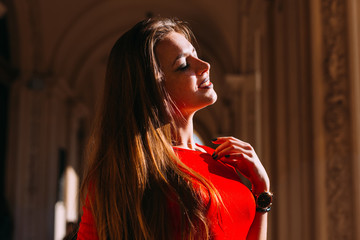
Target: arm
<point x="258" y="228"/>
<point x="242" y="156"/>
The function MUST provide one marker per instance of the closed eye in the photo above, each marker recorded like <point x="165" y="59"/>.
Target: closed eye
<point x="183" y="67"/>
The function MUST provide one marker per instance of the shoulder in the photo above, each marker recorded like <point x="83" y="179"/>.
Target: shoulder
<point x="198" y="150"/>
<point x="205" y="148"/>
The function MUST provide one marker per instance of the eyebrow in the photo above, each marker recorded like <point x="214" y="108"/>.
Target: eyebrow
<point x="182" y="55"/>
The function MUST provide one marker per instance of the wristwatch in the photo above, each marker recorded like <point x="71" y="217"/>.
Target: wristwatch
<point x="263" y="201"/>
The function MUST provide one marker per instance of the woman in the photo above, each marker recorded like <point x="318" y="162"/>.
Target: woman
<point x="146" y="178"/>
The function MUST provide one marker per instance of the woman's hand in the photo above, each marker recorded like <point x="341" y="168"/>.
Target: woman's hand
<point x="242" y="156"/>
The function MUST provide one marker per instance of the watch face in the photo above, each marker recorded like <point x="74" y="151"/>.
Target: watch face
<point x="264" y="200"/>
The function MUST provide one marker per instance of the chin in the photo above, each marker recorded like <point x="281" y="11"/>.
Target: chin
<point x="210" y="100"/>
<point x="213" y="98"/>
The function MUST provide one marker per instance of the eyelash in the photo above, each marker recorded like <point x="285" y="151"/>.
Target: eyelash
<point x="183" y="67"/>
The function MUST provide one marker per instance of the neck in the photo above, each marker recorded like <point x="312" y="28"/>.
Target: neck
<point x="183" y="132"/>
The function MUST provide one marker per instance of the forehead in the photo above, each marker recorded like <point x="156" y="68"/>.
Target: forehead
<point x="176" y="39"/>
<point x="172" y="45"/>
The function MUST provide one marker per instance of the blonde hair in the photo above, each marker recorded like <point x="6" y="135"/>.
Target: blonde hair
<point x="132" y="171"/>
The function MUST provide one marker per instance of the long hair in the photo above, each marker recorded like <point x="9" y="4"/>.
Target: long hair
<point x="133" y="176"/>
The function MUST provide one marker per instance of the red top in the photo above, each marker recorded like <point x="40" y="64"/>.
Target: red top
<point x="239" y="201"/>
<point x="237" y="198"/>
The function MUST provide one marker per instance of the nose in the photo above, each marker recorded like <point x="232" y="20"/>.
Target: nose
<point x="202" y="67"/>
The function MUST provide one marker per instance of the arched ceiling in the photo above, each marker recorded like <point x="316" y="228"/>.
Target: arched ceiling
<point x="70" y="40"/>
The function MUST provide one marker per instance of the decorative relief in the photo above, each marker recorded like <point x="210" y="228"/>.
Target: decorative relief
<point x="337" y="121"/>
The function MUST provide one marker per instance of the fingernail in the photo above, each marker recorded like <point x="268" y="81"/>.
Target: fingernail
<point x="214" y="139"/>
<point x="214" y="156"/>
<point x="227" y="155"/>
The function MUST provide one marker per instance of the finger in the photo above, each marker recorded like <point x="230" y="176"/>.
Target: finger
<point x="226" y="147"/>
<point x="234" y="158"/>
<point x="221" y="147"/>
<point x="221" y="140"/>
<point x="233" y="150"/>
<point x="246" y="154"/>
<point x="230" y="146"/>
<point x="239" y="161"/>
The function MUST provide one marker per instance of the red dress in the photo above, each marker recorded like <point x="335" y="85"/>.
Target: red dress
<point x="239" y="201"/>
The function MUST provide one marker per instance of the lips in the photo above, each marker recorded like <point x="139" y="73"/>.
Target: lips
<point x="205" y="84"/>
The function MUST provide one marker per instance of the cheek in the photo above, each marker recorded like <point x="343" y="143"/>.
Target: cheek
<point x="179" y="86"/>
<point x="176" y="93"/>
<point x="170" y="87"/>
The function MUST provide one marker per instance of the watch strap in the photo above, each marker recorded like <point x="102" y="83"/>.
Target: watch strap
<point x="263" y="209"/>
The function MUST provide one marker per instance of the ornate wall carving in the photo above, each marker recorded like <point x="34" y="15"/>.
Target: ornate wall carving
<point x="337" y="120"/>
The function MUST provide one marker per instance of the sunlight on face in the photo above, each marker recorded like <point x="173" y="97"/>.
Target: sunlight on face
<point x="187" y="78"/>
